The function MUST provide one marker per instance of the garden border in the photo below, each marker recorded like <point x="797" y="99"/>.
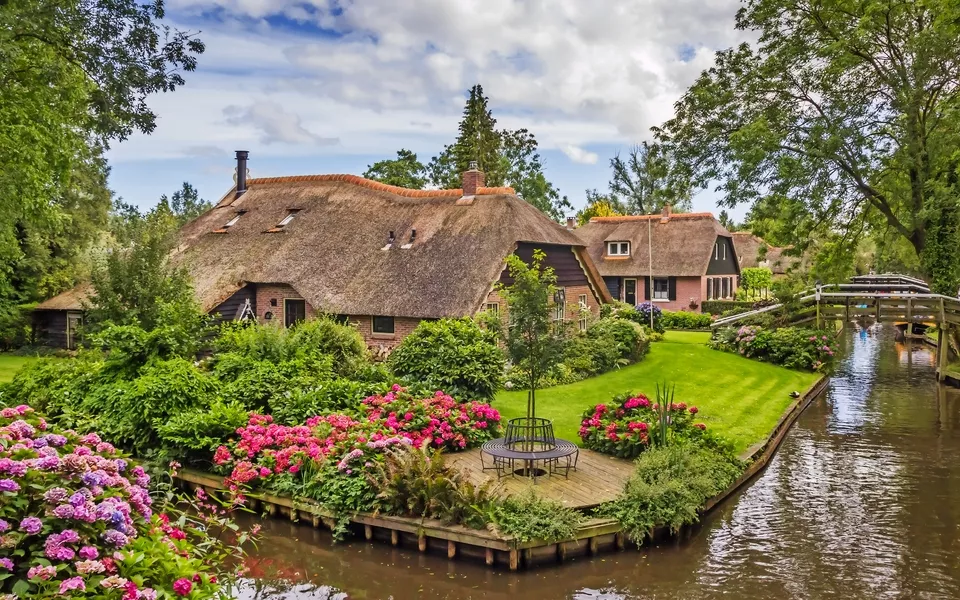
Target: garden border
<point x="593" y="537"/>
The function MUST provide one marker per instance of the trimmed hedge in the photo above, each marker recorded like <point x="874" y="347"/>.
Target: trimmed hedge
<point x="682" y="319"/>
<point x="717" y="307"/>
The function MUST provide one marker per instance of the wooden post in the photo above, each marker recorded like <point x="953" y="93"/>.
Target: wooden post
<point x="294" y="515"/>
<point x="368" y="532"/>
<point x="514" y="560"/>
<point x="394" y="537"/>
<point x="878" y="309"/>
<point x="422" y="543"/>
<point x="561" y="551"/>
<point x="528" y="556"/>
<point x="451" y="549"/>
<point x="909" y="333"/>
<point x="315" y="520"/>
<point x="620" y="540"/>
<point x="847" y="304"/>
<point x="943" y="350"/>
<point x="593" y="545"/>
<point x="489" y="556"/>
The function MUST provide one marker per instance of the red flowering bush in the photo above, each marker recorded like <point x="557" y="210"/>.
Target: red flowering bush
<point x="332" y="458"/>
<point x="77" y="520"/>
<point x="625" y="427"/>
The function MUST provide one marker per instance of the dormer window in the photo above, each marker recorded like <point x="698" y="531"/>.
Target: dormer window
<point x="286" y="220"/>
<point x="618" y="248"/>
<point x="234" y="220"/>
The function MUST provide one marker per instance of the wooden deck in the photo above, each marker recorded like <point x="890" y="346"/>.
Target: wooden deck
<point x="598" y="478"/>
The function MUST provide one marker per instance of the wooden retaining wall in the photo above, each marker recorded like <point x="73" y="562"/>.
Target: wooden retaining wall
<point x="593" y="537"/>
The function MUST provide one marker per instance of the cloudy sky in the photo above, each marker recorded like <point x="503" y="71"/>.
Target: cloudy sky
<point x="330" y="86"/>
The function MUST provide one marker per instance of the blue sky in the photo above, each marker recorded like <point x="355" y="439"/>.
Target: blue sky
<point x="330" y="86"/>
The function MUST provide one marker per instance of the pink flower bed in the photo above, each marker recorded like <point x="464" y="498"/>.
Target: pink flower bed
<point x="266" y="449"/>
<point x="624" y="427"/>
<point x="76" y="520"/>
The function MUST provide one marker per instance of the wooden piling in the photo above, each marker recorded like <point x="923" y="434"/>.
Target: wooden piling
<point x="514" y="559"/>
<point x="368" y="532"/>
<point x="394" y="537"/>
<point x="422" y="543"/>
<point x="451" y="549"/>
<point x="489" y="557"/>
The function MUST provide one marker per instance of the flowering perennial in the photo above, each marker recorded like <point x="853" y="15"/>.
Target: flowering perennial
<point x="624" y="427"/>
<point x="75" y="517"/>
<point x="353" y="445"/>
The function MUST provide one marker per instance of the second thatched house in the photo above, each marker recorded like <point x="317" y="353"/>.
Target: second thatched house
<point x="676" y="260"/>
<point x="753" y="251"/>
<point x="280" y="249"/>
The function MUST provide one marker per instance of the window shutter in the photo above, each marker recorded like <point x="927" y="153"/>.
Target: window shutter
<point x="672" y="287"/>
<point x="646" y="288"/>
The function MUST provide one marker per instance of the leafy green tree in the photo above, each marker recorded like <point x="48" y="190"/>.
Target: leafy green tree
<point x="728" y="222"/>
<point x="134" y="282"/>
<point x="478" y="140"/>
<point x="404" y="171"/>
<point x="506" y="157"/>
<point x="644" y="183"/>
<point x="839" y="108"/>
<point x="186" y="204"/>
<point x="524" y="171"/>
<point x="599" y="205"/>
<point x="534" y="342"/>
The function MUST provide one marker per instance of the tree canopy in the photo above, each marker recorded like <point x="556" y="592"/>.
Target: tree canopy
<point x="841" y="117"/>
<point x="643" y="182"/>
<point x="404" y="171"/>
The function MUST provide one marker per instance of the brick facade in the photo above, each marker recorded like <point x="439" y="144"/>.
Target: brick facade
<point x="571" y="309"/>
<point x="402" y="326"/>
<point x="690" y="290"/>
<point x="270" y="297"/>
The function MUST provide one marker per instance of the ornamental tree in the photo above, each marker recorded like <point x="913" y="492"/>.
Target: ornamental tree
<point x="534" y="341"/>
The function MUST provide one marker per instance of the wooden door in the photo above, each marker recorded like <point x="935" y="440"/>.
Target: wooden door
<point x="294" y="311"/>
<point x="630" y="291"/>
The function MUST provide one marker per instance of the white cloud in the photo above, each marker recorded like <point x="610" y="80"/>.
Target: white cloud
<point x="579" y="155"/>
<point x="275" y="124"/>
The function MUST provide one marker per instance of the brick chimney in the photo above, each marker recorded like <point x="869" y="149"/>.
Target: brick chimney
<point x="241" y="172"/>
<point x="665" y="214"/>
<point x="571" y="223"/>
<point x="473" y="179"/>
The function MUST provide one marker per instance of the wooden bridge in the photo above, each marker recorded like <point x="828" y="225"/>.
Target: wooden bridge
<point x="878" y="298"/>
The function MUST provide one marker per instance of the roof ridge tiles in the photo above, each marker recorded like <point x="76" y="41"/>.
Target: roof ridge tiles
<point x="377" y="185"/>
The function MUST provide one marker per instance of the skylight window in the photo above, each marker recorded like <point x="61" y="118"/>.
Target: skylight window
<point x="286" y="220"/>
<point x="234" y="220"/>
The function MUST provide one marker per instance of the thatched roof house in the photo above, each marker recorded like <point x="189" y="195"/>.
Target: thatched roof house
<point x="753" y="251"/>
<point x="693" y="258"/>
<point x="384" y="257"/>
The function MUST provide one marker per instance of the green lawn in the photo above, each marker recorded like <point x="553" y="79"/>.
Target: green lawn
<point x="10" y="364"/>
<point x="738" y="398"/>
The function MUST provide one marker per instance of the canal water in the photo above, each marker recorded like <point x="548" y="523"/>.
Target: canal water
<point x="861" y="501"/>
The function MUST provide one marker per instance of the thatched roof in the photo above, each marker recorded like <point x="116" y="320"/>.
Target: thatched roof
<point x="332" y="252"/>
<point x="682" y="243"/>
<point x="68" y="300"/>
<point x="748" y="252"/>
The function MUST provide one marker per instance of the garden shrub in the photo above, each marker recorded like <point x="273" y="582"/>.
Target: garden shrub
<point x="627" y="336"/>
<point x="624" y="426"/>
<point x="791" y="347"/>
<point x="455" y="355"/>
<point x="49" y="384"/>
<point x="259" y="383"/>
<point x="529" y="517"/>
<point x="718" y="307"/>
<point x="669" y="487"/>
<point x="198" y="432"/>
<point x="682" y="319"/>
<point x="416" y="482"/>
<point x="325" y="336"/>
<point x="298" y="404"/>
<point x="131" y="412"/>
<point x="78" y="521"/>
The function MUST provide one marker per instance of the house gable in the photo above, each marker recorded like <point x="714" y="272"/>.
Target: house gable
<point x="723" y="259"/>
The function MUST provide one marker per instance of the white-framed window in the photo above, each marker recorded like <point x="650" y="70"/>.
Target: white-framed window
<point x="582" y="303"/>
<point x="709" y="288"/>
<point x="720" y="250"/>
<point x="725" y="287"/>
<point x="618" y="248"/>
<point x="493" y="307"/>
<point x="661" y="288"/>
<point x="559" y="310"/>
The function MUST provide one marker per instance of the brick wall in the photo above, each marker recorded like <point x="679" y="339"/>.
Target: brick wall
<point x="269" y="294"/>
<point x="687" y="288"/>
<point x="571" y="309"/>
<point x="402" y="326"/>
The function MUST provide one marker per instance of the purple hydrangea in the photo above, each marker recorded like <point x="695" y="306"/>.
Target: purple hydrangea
<point x="88" y="553"/>
<point x="56" y="440"/>
<point x="14" y="468"/>
<point x="6" y="563"/>
<point x="55" y="495"/>
<point x="74" y="583"/>
<point x="116" y="538"/>
<point x="4" y="526"/>
<point x="80" y="497"/>
<point x="48" y="463"/>
<point x="121" y="465"/>
<point x="64" y="511"/>
<point x="9" y="485"/>
<point x="31" y="525"/>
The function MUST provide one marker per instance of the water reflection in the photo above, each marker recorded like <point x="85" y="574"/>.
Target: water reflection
<point x="858" y="503"/>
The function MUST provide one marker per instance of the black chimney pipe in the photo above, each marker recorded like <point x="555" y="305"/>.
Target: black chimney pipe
<point x="241" y="172"/>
